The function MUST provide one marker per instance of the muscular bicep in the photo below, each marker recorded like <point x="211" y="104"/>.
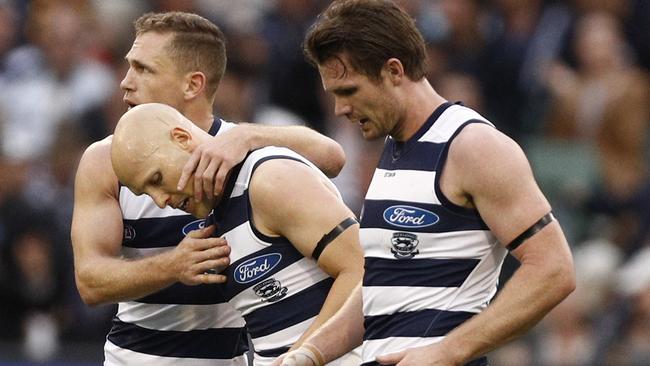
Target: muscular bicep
<point x="291" y="200"/>
<point x="493" y="172"/>
<point x="97" y="219"/>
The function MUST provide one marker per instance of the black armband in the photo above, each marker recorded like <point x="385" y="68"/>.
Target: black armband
<point x="329" y="237"/>
<point x="539" y="225"/>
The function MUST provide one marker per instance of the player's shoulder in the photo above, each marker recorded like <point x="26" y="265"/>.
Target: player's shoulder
<point x="280" y="177"/>
<point x="481" y="141"/>
<point x="95" y="164"/>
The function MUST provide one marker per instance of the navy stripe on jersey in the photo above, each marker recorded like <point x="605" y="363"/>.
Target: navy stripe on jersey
<point x="289" y="253"/>
<point x="156" y="232"/>
<point x="447" y="220"/>
<point x="237" y="214"/>
<point x="478" y="362"/>
<point x="420" y="156"/>
<point x="179" y="293"/>
<point x="222" y="343"/>
<point x="422" y="323"/>
<point x="288" y="311"/>
<point x="273" y="352"/>
<point x="412" y="154"/>
<point x="216" y="125"/>
<point x="421" y="272"/>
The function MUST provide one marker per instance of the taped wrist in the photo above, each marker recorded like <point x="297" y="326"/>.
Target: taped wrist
<point x="333" y="234"/>
<point x="532" y="230"/>
<point x="310" y="351"/>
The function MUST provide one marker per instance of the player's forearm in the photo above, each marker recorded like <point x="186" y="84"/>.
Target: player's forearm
<point x="528" y="296"/>
<point x="321" y="150"/>
<point x="343" y="332"/>
<point x="341" y="290"/>
<point x="107" y="280"/>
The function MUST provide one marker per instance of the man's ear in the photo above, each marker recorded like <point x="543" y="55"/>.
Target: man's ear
<point x="195" y="84"/>
<point x="393" y="70"/>
<point x="181" y="138"/>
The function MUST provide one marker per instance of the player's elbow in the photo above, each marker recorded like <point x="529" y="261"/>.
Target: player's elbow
<point x="89" y="294"/>
<point x="335" y="161"/>
<point x="561" y="276"/>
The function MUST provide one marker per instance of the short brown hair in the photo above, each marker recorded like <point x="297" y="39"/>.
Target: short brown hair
<point x="370" y="32"/>
<point x="198" y="44"/>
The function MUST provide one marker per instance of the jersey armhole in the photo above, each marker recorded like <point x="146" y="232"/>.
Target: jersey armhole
<point x="440" y="165"/>
<point x="256" y="232"/>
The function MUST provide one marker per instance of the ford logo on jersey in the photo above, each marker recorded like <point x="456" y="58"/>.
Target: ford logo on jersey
<point x="257" y="267"/>
<point x="409" y="217"/>
<point x="194" y="225"/>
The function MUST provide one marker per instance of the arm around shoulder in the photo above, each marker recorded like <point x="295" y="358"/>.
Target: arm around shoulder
<point x="321" y="150"/>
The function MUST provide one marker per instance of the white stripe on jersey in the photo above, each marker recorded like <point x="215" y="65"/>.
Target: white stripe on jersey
<point x="117" y="356"/>
<point x="243" y="242"/>
<point x="296" y="277"/>
<point x="378" y="347"/>
<point x="449" y="245"/>
<point x="285" y="336"/>
<point x="385" y="300"/>
<point x="405" y="185"/>
<point x="179" y="317"/>
<point x="448" y="123"/>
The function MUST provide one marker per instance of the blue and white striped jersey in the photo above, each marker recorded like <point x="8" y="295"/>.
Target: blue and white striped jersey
<point x="278" y="290"/>
<point x="179" y="325"/>
<point x="429" y="264"/>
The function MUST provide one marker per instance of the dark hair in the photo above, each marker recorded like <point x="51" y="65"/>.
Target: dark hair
<point x="369" y="32"/>
<point x="198" y="44"/>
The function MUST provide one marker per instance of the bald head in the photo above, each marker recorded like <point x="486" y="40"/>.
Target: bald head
<point x="151" y="144"/>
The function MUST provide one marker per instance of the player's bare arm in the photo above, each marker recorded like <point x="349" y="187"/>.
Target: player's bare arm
<point x="290" y="199"/>
<point x="101" y="274"/>
<point x="488" y="171"/>
<point x="340" y="334"/>
<point x="211" y="162"/>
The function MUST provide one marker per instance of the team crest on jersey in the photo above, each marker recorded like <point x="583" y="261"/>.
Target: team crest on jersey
<point x="404" y="245"/>
<point x="270" y="290"/>
<point x="194" y="225"/>
<point x="129" y="233"/>
<point x="255" y="268"/>
<point x="409" y="217"/>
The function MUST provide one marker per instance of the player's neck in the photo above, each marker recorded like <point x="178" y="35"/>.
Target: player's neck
<point x="201" y="115"/>
<point x="422" y="101"/>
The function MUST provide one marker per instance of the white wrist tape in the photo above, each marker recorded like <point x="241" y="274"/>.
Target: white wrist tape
<point x="302" y="354"/>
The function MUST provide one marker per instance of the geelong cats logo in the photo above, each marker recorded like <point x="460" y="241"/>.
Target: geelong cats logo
<point x="404" y="245"/>
<point x="270" y="290"/>
<point x="409" y="217"/>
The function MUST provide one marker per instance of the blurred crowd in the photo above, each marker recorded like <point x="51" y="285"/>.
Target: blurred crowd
<point x="568" y="80"/>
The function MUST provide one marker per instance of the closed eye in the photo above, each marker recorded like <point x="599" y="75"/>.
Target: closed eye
<point x="345" y="92"/>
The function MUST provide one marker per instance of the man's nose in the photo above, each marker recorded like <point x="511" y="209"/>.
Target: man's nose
<point x="127" y="81"/>
<point x="341" y="108"/>
<point x="161" y="199"/>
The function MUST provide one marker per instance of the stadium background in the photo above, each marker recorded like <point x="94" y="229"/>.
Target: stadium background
<point x="568" y="80"/>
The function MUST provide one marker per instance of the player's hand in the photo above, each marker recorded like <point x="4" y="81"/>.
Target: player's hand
<point x="211" y="162"/>
<point x="431" y="355"/>
<point x="199" y="258"/>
